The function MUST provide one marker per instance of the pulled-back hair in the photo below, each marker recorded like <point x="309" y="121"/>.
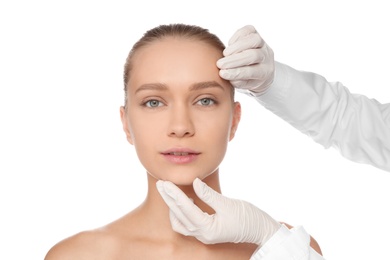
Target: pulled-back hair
<point x="171" y="30"/>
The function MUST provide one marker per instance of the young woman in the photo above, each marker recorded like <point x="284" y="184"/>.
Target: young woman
<point x="180" y="116"/>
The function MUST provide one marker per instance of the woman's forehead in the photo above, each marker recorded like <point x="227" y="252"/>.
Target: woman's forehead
<point x="176" y="59"/>
<point x="176" y="62"/>
<point x="178" y="47"/>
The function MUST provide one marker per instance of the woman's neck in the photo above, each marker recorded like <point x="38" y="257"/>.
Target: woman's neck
<point x="154" y="197"/>
<point x="156" y="211"/>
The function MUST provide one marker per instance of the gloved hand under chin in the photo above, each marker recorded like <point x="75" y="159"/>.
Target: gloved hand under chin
<point x="249" y="62"/>
<point x="234" y="220"/>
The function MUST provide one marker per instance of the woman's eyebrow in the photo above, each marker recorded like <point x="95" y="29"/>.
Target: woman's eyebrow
<point x="152" y="86"/>
<point x="206" y="84"/>
<point x="193" y="87"/>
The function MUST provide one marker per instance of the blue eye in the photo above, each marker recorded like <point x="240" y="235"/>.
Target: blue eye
<point x="153" y="103"/>
<point x="206" y="102"/>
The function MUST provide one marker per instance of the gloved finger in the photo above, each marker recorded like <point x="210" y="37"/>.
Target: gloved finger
<point x="246" y="85"/>
<point x="184" y="208"/>
<point x="245" y="58"/>
<point x="204" y="235"/>
<point x="208" y="195"/>
<point x="251" y="41"/>
<point x="173" y="207"/>
<point x="178" y="226"/>
<point x="255" y="71"/>
<point x="242" y="32"/>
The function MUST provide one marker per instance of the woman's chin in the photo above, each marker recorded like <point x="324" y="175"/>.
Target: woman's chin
<point x="182" y="178"/>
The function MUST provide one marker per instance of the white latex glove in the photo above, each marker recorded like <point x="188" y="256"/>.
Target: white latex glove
<point x="234" y="221"/>
<point x="249" y="62"/>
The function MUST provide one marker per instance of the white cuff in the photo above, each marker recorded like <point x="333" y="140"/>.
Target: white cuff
<point x="285" y="244"/>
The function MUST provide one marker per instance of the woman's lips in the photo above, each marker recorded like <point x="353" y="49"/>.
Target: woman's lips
<point x="181" y="156"/>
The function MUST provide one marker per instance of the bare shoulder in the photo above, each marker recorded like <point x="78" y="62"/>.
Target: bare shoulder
<point x="116" y="240"/>
<point x="94" y="244"/>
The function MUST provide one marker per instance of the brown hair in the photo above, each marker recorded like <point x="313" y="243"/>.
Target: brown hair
<point x="170" y="30"/>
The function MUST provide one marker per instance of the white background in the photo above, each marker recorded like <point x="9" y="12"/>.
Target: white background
<point x="65" y="165"/>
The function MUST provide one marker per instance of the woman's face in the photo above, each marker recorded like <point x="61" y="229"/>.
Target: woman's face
<point x="180" y="115"/>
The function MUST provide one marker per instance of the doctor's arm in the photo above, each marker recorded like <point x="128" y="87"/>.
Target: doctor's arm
<point x="357" y="126"/>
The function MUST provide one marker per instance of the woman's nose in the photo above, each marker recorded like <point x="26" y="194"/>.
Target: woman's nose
<point x="181" y="123"/>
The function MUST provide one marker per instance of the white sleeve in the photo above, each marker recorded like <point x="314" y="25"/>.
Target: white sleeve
<point x="287" y="244"/>
<point x="357" y="126"/>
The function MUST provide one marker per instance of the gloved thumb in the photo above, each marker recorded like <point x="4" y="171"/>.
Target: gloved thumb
<point x="207" y="194"/>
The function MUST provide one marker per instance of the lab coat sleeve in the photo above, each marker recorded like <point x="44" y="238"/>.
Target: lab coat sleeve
<point x="287" y="244"/>
<point x="357" y="126"/>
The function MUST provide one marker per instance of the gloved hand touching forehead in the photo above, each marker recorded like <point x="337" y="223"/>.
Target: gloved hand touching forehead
<point x="249" y="62"/>
<point x="234" y="220"/>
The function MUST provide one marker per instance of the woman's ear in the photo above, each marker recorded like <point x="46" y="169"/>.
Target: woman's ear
<point x="125" y="124"/>
<point x="236" y="119"/>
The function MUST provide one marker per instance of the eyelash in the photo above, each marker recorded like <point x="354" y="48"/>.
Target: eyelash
<point x="147" y="103"/>
<point x="213" y="101"/>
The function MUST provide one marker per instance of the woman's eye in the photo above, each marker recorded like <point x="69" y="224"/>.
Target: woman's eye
<point x="206" y="102"/>
<point x="153" y="103"/>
